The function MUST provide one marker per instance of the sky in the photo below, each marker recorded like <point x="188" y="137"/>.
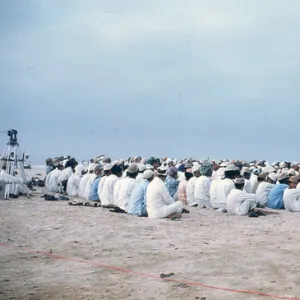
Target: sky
<point x="176" y="78"/>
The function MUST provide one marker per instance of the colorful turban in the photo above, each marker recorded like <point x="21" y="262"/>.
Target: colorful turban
<point x="205" y="168"/>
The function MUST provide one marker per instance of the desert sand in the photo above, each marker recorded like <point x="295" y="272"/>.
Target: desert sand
<point x="205" y="247"/>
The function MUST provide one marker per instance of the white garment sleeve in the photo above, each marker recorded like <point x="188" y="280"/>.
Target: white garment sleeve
<point x="207" y="188"/>
<point x="197" y="190"/>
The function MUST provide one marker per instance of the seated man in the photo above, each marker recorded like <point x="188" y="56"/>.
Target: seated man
<point x="182" y="194"/>
<point x="14" y="185"/>
<point x="106" y="172"/>
<point x="225" y="186"/>
<point x="238" y="201"/>
<point x="65" y="174"/>
<point x="202" y="186"/>
<point x="190" y="188"/>
<point x="126" y="187"/>
<point x="142" y="168"/>
<point x="84" y="182"/>
<point x="51" y="180"/>
<point x="93" y="195"/>
<point x="291" y="196"/>
<point x="160" y="204"/>
<point x="172" y="181"/>
<point x="245" y="172"/>
<point x="107" y="194"/>
<point x="74" y="181"/>
<point x="137" y="204"/>
<point x="264" y="189"/>
<point x="275" y="198"/>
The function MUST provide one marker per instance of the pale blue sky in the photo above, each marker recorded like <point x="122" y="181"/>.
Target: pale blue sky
<point x="176" y="78"/>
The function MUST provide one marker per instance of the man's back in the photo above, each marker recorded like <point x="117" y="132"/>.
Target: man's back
<point x="275" y="198"/>
<point x="157" y="196"/>
<point x="240" y="202"/>
<point x="291" y="200"/>
<point x="263" y="191"/>
<point x="108" y="190"/>
<point x="223" y="189"/>
<point x="125" y="191"/>
<point x="137" y="204"/>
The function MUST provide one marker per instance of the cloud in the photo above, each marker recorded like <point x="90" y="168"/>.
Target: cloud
<point x="213" y="78"/>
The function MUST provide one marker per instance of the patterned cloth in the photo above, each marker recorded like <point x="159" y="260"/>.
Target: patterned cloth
<point x="172" y="186"/>
<point x="182" y="191"/>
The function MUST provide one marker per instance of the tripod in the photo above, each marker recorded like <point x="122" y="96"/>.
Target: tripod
<point x="11" y="160"/>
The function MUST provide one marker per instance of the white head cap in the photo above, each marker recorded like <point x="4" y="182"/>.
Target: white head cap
<point x="115" y="162"/>
<point x="224" y="164"/>
<point x="148" y="174"/>
<point x="231" y="168"/>
<point x="79" y="169"/>
<point x="282" y="175"/>
<point x="142" y="167"/>
<point x="239" y="180"/>
<point x="273" y="176"/>
<point x="292" y="172"/>
<point x="245" y="170"/>
<point x="107" y="167"/>
<point x="149" y="167"/>
<point x="196" y="168"/>
<point x="282" y="165"/>
<point x="133" y="168"/>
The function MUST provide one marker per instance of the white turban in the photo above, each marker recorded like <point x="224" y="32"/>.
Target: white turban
<point x="196" y="168"/>
<point x="79" y="169"/>
<point x="142" y="167"/>
<point x="273" y="176"/>
<point x="148" y="174"/>
<point x="91" y="167"/>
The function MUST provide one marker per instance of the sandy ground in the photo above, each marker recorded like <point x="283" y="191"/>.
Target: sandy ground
<point x="205" y="247"/>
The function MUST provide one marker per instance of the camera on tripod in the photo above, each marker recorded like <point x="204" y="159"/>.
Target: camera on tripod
<point x="12" y="133"/>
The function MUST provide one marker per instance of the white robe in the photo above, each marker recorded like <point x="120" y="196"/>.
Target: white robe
<point x="100" y="186"/>
<point x="108" y="190"/>
<point x="239" y="202"/>
<point x="139" y="177"/>
<point x="51" y="181"/>
<point x="13" y="183"/>
<point x="159" y="202"/>
<point x="181" y="176"/>
<point x="247" y="187"/>
<point x="201" y="193"/>
<point x="73" y="182"/>
<point x="86" y="177"/>
<point x="263" y="191"/>
<point x="190" y="189"/>
<point x="88" y="186"/>
<point x="291" y="200"/>
<point x="215" y="176"/>
<point x="213" y="193"/>
<point x="117" y="190"/>
<point x="219" y="174"/>
<point x="253" y="183"/>
<point x="65" y="175"/>
<point x="224" y="187"/>
<point x="126" y="187"/>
